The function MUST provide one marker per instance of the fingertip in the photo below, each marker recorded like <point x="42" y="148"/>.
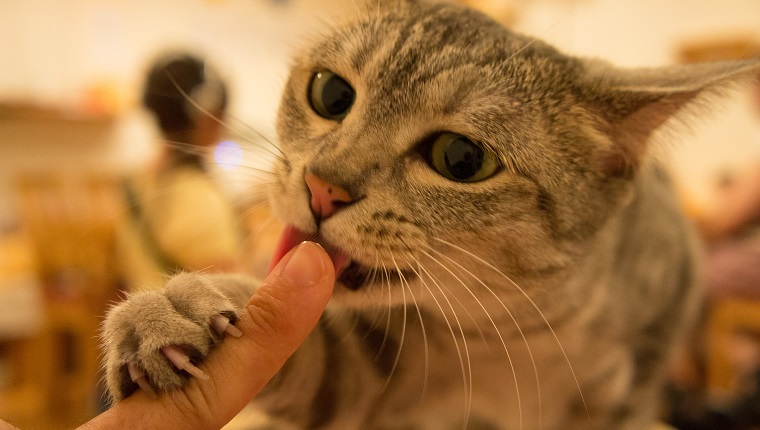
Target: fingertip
<point x="305" y="265"/>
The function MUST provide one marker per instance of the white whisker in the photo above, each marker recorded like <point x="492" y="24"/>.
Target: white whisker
<point x="517" y="325"/>
<point x="535" y="307"/>
<point x="466" y="378"/>
<point x="390" y="308"/>
<point x="496" y="328"/>
<point x="221" y="122"/>
<point x="403" y="335"/>
<point x="405" y="284"/>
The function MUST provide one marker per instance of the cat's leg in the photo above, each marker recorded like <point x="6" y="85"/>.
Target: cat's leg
<point x="153" y="338"/>
<point x="624" y="394"/>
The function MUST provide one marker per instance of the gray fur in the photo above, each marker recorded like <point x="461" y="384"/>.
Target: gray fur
<point x="547" y="296"/>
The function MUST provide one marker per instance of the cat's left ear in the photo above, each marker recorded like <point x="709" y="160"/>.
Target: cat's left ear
<point x="634" y="103"/>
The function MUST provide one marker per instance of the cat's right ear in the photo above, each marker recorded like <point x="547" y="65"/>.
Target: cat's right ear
<point x="634" y="103"/>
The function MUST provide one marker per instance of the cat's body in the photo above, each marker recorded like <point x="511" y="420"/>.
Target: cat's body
<point x="540" y="281"/>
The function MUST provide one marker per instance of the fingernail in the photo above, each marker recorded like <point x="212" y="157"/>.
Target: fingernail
<point x="305" y="266"/>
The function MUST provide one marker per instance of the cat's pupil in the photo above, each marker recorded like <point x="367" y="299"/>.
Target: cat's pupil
<point x="460" y="159"/>
<point x="330" y="95"/>
<point x="463" y="159"/>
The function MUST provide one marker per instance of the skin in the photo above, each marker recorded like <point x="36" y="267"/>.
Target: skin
<point x="276" y="320"/>
<point x="738" y="204"/>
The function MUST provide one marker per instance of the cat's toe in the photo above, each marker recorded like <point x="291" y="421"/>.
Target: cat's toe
<point x="154" y="340"/>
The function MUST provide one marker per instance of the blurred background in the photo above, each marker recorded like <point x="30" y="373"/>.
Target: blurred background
<point x="72" y="129"/>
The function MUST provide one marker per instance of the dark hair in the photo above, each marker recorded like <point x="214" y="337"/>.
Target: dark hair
<point x="180" y="87"/>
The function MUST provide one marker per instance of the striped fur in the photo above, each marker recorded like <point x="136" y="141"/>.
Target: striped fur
<point x="547" y="296"/>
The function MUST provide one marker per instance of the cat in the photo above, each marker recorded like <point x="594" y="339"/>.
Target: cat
<point x="510" y="255"/>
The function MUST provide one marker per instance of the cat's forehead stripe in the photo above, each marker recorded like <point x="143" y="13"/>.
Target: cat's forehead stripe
<point x="398" y="54"/>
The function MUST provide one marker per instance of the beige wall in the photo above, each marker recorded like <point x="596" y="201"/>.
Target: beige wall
<point x="54" y="52"/>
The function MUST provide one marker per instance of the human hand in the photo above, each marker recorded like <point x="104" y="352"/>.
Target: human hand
<point x="276" y="320"/>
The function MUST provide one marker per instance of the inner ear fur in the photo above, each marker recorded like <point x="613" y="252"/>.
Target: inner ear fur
<point x="635" y="102"/>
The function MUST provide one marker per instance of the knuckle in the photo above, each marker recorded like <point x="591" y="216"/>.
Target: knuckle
<point x="266" y="311"/>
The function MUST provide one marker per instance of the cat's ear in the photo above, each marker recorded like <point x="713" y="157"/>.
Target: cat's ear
<point x="636" y="102"/>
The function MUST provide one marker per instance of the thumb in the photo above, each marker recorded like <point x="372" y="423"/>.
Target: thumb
<point x="276" y="320"/>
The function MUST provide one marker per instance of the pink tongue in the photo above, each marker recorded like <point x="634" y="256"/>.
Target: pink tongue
<point x="291" y="237"/>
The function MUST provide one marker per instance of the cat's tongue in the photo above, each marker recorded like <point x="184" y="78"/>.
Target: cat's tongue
<point x="291" y="237"/>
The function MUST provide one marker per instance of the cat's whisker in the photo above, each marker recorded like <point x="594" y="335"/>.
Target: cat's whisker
<point x="356" y="8"/>
<point x="495" y="326"/>
<point x="276" y="150"/>
<point x="466" y="370"/>
<point x="535" y="307"/>
<point x="514" y="320"/>
<point x="248" y="160"/>
<point x="249" y="199"/>
<point x="187" y="148"/>
<point x="405" y="284"/>
<point x="250" y="177"/>
<point x="418" y="272"/>
<point x="542" y="34"/>
<point x="389" y="311"/>
<point x="256" y="195"/>
<point x="466" y="310"/>
<point x="403" y="335"/>
<point x="190" y="149"/>
<point x="262" y="226"/>
<point x="377" y="276"/>
<point x="218" y="120"/>
<point x="252" y="149"/>
<point x="254" y="145"/>
<point x="461" y="306"/>
<point x="247" y="149"/>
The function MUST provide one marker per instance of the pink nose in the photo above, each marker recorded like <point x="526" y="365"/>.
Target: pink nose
<point x="326" y="198"/>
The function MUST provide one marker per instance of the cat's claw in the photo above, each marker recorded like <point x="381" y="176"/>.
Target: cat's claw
<point x="221" y="325"/>
<point x="182" y="361"/>
<point x="138" y="377"/>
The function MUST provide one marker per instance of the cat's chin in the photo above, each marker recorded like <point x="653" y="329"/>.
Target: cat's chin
<point x="350" y="275"/>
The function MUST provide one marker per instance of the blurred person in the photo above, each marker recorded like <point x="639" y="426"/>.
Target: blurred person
<point x="179" y="217"/>
<point x="731" y="231"/>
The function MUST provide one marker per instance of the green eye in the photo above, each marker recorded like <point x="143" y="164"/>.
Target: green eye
<point x="330" y="95"/>
<point x="460" y="159"/>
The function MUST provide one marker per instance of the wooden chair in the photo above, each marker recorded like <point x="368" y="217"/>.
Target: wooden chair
<point x="70" y="221"/>
<point x="729" y="317"/>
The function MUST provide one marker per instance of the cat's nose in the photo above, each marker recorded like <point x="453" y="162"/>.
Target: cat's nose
<point x="326" y="198"/>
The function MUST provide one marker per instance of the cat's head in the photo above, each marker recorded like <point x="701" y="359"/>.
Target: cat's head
<point x="444" y="139"/>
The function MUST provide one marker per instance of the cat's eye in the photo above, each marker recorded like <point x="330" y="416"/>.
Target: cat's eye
<point x="330" y="95"/>
<point x="460" y="159"/>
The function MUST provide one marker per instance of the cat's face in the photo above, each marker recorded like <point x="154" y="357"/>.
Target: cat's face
<point x="447" y="138"/>
<point x="457" y="141"/>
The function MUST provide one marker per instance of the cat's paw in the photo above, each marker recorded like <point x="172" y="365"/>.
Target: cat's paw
<point x="154" y="339"/>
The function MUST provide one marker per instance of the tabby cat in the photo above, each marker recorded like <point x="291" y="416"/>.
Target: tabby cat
<point x="509" y="254"/>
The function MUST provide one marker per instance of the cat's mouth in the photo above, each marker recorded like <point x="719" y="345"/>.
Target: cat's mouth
<point x="349" y="273"/>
